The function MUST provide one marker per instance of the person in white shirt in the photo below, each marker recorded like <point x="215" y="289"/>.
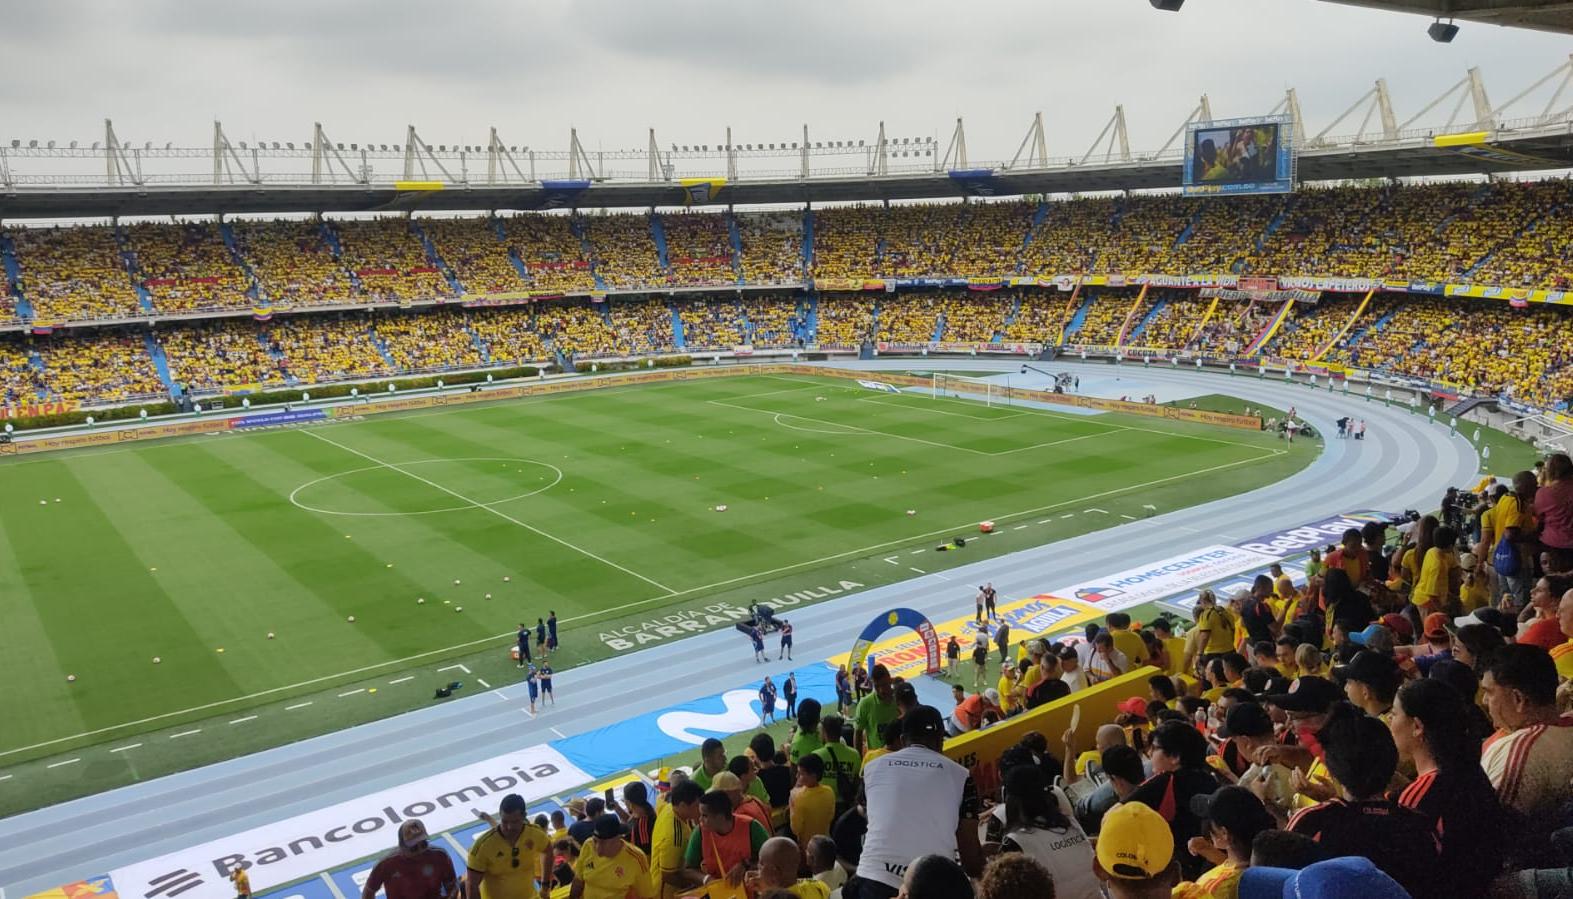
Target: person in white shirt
<point x="919" y="802"/>
<point x="1100" y="661"/>
<point x="1037" y="821"/>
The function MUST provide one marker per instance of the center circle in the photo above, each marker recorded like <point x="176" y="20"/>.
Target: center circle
<point x="426" y="486"/>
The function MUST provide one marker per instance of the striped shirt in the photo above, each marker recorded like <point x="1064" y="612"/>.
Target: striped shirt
<point x="1532" y="767"/>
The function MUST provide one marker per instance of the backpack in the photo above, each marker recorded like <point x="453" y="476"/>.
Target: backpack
<point x="1505" y="558"/>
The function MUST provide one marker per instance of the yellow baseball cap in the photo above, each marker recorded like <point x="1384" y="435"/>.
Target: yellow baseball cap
<point x="1135" y="842"/>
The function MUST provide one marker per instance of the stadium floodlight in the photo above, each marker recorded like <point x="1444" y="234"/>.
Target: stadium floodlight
<point x="1167" y="5"/>
<point x="73" y="145"/>
<point x="275" y="145"/>
<point x="50" y="145"/>
<point x="243" y="145"/>
<point x="1442" y="32"/>
<point x="290" y="144"/>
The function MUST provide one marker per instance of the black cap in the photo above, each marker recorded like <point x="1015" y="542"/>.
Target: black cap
<point x="1246" y="719"/>
<point x="921" y="722"/>
<point x="1372" y="668"/>
<point x="1499" y="620"/>
<point x="1277" y="683"/>
<point x="1458" y="675"/>
<point x="905" y="692"/>
<point x="1307" y="694"/>
<point x="608" y="826"/>
<point x="1235" y="809"/>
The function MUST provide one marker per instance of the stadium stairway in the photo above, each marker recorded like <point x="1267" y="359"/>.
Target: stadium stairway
<point x="1277" y="222"/>
<point x="128" y="260"/>
<point x="1146" y="319"/>
<point x="160" y="364"/>
<point x="480" y="345"/>
<point x="382" y="347"/>
<point x="564" y="363"/>
<point x="810" y="333"/>
<point x="736" y="238"/>
<point x="808" y="241"/>
<point x="331" y="238"/>
<point x="1188" y="230"/>
<point x="13" y="276"/>
<point x="576" y="225"/>
<point x="36" y="363"/>
<point x="226" y="232"/>
<point x="678" y="340"/>
<point x="518" y="264"/>
<point x="658" y="234"/>
<point x="436" y="260"/>
<point x="939" y="328"/>
<point x="274" y="353"/>
<point x="1458" y="409"/>
<point x="499" y="230"/>
<point x="1080" y="316"/>
<point x="1038" y="217"/>
<point x="1015" y="310"/>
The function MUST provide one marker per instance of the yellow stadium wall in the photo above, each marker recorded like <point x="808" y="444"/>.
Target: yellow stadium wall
<point x="980" y="750"/>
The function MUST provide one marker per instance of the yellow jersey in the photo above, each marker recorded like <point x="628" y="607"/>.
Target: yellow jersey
<point x="622" y="875"/>
<point x="1222" y="882"/>
<point x="1176" y="648"/>
<point x="668" y="839"/>
<point x="494" y="857"/>
<point x="242" y="883"/>
<point x="813" y="810"/>
<point x="1130" y="643"/>
<point x="1219" y="625"/>
<point x="1563" y="656"/>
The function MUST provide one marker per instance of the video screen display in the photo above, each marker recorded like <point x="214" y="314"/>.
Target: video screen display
<point x="1238" y="157"/>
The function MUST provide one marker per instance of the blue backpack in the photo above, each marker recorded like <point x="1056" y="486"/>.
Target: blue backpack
<point x="1505" y="558"/>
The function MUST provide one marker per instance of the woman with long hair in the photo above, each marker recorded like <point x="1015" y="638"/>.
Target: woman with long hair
<point x="1036" y="821"/>
<point x="1346" y="605"/>
<point x="1429" y="727"/>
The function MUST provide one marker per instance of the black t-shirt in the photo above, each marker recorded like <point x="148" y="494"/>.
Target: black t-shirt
<point x="1469" y="822"/>
<point x="980" y="653"/>
<point x="1169" y="794"/>
<point x="1401" y="842"/>
<point x="1257" y="619"/>
<point x="1045" y="691"/>
<point x="1354" y="611"/>
<point x="777" y="781"/>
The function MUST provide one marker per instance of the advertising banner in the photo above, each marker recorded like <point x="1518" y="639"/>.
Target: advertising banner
<point x="314" y="841"/>
<point x="269" y="419"/>
<point x="1135" y="586"/>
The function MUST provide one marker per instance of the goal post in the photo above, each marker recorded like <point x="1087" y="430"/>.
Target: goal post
<point x="961" y="387"/>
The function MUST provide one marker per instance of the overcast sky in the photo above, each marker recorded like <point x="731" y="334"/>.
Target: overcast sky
<point x="164" y="69"/>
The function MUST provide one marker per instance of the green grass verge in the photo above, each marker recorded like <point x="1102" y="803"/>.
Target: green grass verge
<point x="175" y="550"/>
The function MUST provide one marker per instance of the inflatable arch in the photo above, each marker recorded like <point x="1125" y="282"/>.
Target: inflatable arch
<point x="892" y="619"/>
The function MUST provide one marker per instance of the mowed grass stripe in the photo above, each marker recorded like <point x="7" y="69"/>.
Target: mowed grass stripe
<point x="524" y="540"/>
<point x="29" y="656"/>
<point x="198" y="551"/>
<point x="101" y="608"/>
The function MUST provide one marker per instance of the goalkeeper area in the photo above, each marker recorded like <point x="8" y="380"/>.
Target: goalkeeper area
<point x="176" y="603"/>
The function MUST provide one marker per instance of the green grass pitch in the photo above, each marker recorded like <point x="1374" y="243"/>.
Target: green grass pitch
<point x="600" y="505"/>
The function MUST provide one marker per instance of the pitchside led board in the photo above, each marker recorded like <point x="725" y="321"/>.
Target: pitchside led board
<point x="1239" y="156"/>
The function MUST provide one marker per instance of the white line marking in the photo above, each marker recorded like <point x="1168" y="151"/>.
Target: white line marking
<point x="528" y="712"/>
<point x="66" y="762"/>
<point x="1019" y="527"/>
<point x="1228" y="536"/>
<point x="298" y="705"/>
<point x="892" y="560"/>
<point x="5" y="776"/>
<point x="1045" y="520"/>
<point x="483" y="683"/>
<point x="124" y="748"/>
<point x="1127" y="517"/>
<point x="352" y="692"/>
<point x="185" y="733"/>
<point x="940" y="576"/>
<point x="401" y="680"/>
<point x="497" y="512"/>
<point x="860" y="551"/>
<point x="918" y="570"/>
<point x="916" y="408"/>
<point x="919" y="552"/>
<point x="244" y="720"/>
<point x="1067" y="515"/>
<point x="1099" y="511"/>
<point x="559" y="733"/>
<point x="499" y="695"/>
<point x="452" y="667"/>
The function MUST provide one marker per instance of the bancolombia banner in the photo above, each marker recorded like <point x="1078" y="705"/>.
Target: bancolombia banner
<point x="305" y="844"/>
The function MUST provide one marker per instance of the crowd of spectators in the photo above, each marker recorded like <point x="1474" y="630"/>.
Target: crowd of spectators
<point x="1175" y="323"/>
<point x="321" y="349"/>
<point x="185" y="267"/>
<point x="479" y="258"/>
<point x="773" y="321"/>
<point x="772" y="246"/>
<point x="109" y="368"/>
<point x="389" y="259"/>
<point x="430" y="340"/>
<point x="294" y="263"/>
<point x="1101" y="325"/>
<point x="509" y="334"/>
<point x="844" y="321"/>
<point x="625" y="255"/>
<point x="710" y="324"/>
<point x="215" y="355"/>
<point x="578" y="328"/>
<point x="698" y="249"/>
<point x="73" y="273"/>
<point x="1309" y="329"/>
<point x="553" y="253"/>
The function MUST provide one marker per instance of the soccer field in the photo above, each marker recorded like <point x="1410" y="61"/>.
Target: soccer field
<point x="600" y="505"/>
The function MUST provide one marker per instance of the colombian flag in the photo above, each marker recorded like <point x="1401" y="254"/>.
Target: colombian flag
<point x="701" y="190"/>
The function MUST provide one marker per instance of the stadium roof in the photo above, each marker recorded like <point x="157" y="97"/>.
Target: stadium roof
<point x="1542" y="15"/>
<point x="1534" y="149"/>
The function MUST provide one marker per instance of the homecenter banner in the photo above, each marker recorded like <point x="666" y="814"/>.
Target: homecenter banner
<point x="316" y="841"/>
<point x="1135" y="586"/>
